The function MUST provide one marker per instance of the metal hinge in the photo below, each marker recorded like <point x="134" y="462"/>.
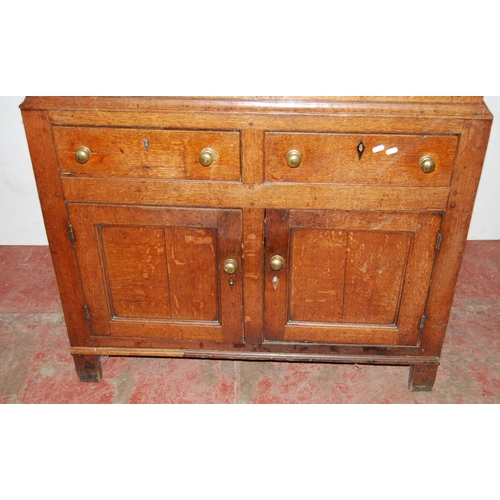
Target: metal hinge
<point x="422" y="322"/>
<point x="87" y="313"/>
<point x="71" y="233"/>
<point x="438" y="242"/>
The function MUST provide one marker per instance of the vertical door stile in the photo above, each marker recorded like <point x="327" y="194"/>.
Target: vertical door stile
<point x="276" y="292"/>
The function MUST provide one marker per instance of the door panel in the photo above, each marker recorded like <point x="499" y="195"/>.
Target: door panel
<point x="374" y="277"/>
<point x="348" y="277"/>
<point x="152" y="272"/>
<point x="317" y="274"/>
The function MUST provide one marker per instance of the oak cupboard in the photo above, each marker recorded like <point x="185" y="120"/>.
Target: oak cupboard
<point x="323" y="229"/>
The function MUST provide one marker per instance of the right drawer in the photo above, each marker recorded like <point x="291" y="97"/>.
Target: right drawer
<point x="360" y="159"/>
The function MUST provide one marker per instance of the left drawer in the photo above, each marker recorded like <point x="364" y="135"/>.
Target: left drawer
<point x="145" y="153"/>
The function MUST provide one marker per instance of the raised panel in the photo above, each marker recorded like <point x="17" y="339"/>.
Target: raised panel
<point x="317" y="274"/>
<point x="374" y="276"/>
<point x="191" y="261"/>
<point x="136" y="270"/>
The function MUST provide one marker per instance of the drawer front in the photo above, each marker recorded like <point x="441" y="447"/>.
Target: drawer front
<point x="140" y="153"/>
<point x="360" y="159"/>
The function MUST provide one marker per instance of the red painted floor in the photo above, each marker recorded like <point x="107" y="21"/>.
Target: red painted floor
<point x="36" y="367"/>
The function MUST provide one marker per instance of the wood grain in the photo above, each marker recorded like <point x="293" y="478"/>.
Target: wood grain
<point x="257" y="356"/>
<point x="252" y="156"/>
<point x="50" y="192"/>
<point x="354" y="277"/>
<point x="170" y="154"/>
<point x="230" y="195"/>
<point x="333" y="158"/>
<point x="136" y="269"/>
<point x="153" y="227"/>
<point x="276" y="296"/>
<point x="456" y="223"/>
<point x="318" y="260"/>
<point x="253" y="261"/>
<point x="192" y="270"/>
<point x="237" y="102"/>
<point x="374" y="272"/>
<point x="160" y="272"/>
<point x="348" y="120"/>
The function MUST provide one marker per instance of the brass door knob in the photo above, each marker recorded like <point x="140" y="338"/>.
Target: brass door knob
<point x="82" y="154"/>
<point x="293" y="158"/>
<point x="208" y="156"/>
<point x="277" y="262"/>
<point x="427" y="164"/>
<point x="230" y="266"/>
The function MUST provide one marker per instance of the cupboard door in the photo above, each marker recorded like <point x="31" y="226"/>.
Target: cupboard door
<point x="348" y="277"/>
<point x="150" y="272"/>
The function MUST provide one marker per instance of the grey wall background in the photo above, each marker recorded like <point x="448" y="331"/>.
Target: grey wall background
<point x="21" y="220"/>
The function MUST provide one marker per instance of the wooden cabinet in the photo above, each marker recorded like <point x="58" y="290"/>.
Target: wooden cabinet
<point x="295" y="229"/>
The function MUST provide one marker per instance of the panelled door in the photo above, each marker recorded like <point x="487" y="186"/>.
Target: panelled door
<point x="154" y="272"/>
<point x="348" y="277"/>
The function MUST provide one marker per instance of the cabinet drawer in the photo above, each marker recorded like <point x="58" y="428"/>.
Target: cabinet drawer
<point x="335" y="158"/>
<point x="141" y="153"/>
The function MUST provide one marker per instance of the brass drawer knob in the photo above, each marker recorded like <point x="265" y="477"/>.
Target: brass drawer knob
<point x="427" y="164"/>
<point x="277" y="262"/>
<point x="82" y="154"/>
<point x="293" y="158"/>
<point x="208" y="156"/>
<point x="230" y="266"/>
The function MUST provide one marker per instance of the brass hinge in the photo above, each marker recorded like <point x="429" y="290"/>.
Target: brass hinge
<point x="422" y="322"/>
<point x="71" y="233"/>
<point x="438" y="242"/>
<point x="87" y="313"/>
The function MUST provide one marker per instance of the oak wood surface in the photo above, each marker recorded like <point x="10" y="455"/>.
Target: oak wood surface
<point x="449" y="103"/>
<point x="140" y="264"/>
<point x="168" y="154"/>
<point x="258" y="356"/>
<point x="456" y="223"/>
<point x="269" y="195"/>
<point x="351" y="277"/>
<point x="358" y="236"/>
<point x="334" y="158"/>
<point x="253" y="262"/>
<point x="50" y="192"/>
<point x="345" y="121"/>
<point x="88" y="367"/>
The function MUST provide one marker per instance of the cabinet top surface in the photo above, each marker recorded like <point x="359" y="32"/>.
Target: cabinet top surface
<point x="414" y="106"/>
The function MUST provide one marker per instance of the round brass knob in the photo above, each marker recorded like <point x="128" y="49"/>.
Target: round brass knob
<point x="82" y="154"/>
<point x="293" y="158"/>
<point x="230" y="266"/>
<point x="427" y="164"/>
<point x="277" y="262"/>
<point x="208" y="156"/>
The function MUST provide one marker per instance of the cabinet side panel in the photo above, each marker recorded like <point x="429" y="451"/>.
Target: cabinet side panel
<point x="472" y="149"/>
<point x="50" y="191"/>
